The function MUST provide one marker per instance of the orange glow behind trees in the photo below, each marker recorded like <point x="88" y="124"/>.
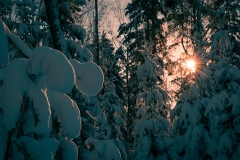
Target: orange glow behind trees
<point x="190" y="64"/>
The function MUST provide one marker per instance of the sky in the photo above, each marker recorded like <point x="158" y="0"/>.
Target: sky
<point x="115" y="17"/>
<point x="111" y="15"/>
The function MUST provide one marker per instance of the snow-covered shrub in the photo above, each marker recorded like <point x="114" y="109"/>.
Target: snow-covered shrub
<point x="188" y="128"/>
<point x="38" y="120"/>
<point x="206" y="117"/>
<point x="102" y="149"/>
<point x="108" y="122"/>
<point x="222" y="112"/>
<point x="150" y="129"/>
<point x="92" y="105"/>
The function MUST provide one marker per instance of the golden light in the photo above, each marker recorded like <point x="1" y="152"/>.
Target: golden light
<point x="190" y="63"/>
<point x="194" y="65"/>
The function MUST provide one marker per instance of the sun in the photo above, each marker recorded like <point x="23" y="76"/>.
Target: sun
<point x="195" y="66"/>
<point x="190" y="64"/>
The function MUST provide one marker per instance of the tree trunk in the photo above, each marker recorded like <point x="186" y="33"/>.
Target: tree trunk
<point x="148" y="32"/>
<point x="96" y="32"/>
<point x="128" y="89"/>
<point x="7" y="154"/>
<point x="153" y="35"/>
<point x="55" y="29"/>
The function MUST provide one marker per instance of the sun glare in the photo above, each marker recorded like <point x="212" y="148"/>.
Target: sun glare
<point x="195" y="66"/>
<point x="190" y="65"/>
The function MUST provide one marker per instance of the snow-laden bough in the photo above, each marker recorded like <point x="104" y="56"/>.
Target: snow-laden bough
<point x="52" y="63"/>
<point x="16" y="85"/>
<point x="69" y="150"/>
<point x="5" y="34"/>
<point x="34" y="149"/>
<point x="89" y="77"/>
<point x="103" y="149"/>
<point x="64" y="108"/>
<point x="51" y="143"/>
<point x="4" y="45"/>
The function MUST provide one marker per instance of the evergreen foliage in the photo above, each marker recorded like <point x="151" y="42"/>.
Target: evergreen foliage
<point x="151" y="126"/>
<point x="58" y="104"/>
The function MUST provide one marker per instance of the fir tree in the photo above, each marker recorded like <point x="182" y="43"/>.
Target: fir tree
<point x="150" y="129"/>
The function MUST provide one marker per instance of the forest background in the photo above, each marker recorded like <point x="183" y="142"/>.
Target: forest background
<point x="156" y="79"/>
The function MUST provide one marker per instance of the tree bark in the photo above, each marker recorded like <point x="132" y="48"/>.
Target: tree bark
<point x="7" y="154"/>
<point x="55" y="28"/>
<point x="153" y="35"/>
<point x="96" y="32"/>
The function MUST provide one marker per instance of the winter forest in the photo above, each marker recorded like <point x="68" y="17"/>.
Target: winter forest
<point x="119" y="79"/>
